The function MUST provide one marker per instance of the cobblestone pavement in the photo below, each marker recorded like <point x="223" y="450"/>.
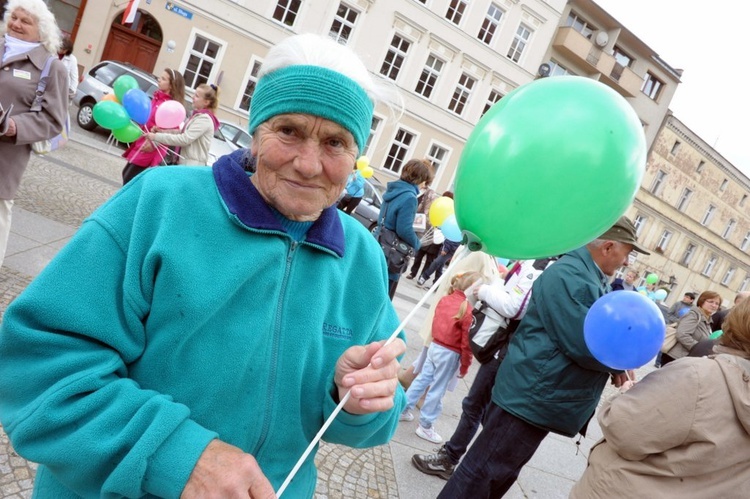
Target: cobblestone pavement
<point x="66" y="187"/>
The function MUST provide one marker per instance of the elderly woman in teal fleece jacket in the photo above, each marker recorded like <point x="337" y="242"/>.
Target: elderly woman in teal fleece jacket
<point x="196" y="333"/>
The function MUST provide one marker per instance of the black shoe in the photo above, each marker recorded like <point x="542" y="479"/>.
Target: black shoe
<point x="434" y="464"/>
<point x="410" y="276"/>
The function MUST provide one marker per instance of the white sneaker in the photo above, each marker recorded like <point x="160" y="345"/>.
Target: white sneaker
<point x="429" y="434"/>
<point x="407" y="415"/>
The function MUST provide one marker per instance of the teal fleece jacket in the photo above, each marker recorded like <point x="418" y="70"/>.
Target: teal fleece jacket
<point x="549" y="378"/>
<point x="182" y="312"/>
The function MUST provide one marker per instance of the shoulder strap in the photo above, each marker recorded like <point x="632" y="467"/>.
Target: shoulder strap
<point x="42" y="85"/>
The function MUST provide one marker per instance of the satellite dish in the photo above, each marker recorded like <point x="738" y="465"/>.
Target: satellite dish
<point x="544" y="70"/>
<point x="601" y="39"/>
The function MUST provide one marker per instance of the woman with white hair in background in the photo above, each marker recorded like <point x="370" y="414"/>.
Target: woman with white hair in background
<point x="30" y="41"/>
<point x="196" y="333"/>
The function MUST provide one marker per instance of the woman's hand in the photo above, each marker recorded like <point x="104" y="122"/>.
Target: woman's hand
<point x="11" y="132"/>
<point x="371" y="374"/>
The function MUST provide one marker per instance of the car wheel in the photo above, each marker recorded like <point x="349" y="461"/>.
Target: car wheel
<point x="373" y="227"/>
<point x="85" y="116"/>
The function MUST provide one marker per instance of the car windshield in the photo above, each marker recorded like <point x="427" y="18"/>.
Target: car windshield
<point x="107" y="73"/>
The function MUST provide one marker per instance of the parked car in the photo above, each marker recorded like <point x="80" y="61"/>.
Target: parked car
<point x="368" y="209"/>
<point x="98" y="82"/>
<point x="227" y="139"/>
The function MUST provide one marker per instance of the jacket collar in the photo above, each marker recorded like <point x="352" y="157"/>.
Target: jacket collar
<point x="585" y="255"/>
<point x="38" y="55"/>
<point x="243" y="200"/>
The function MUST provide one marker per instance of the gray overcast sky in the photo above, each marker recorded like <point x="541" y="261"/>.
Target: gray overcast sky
<point x="707" y="41"/>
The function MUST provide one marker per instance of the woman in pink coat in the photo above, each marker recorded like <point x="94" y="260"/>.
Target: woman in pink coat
<point x="143" y="153"/>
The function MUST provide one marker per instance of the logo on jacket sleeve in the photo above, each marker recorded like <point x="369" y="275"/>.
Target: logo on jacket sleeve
<point x="338" y="332"/>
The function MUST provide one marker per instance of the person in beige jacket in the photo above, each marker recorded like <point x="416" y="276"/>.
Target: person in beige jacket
<point x="194" y="140"/>
<point x="683" y="431"/>
<point x="694" y="326"/>
<point x="30" y="37"/>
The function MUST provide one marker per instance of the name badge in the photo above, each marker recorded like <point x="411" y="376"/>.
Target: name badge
<point x="18" y="73"/>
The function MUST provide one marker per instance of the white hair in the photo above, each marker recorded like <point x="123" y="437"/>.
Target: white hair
<point x="316" y="50"/>
<point x="49" y="34"/>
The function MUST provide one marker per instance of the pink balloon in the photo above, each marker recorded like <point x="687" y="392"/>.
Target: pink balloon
<point x="170" y="114"/>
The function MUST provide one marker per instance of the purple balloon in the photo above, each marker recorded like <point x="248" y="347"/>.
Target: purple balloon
<point x="624" y="330"/>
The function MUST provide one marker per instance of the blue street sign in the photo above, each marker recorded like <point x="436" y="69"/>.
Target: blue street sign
<point x="170" y="6"/>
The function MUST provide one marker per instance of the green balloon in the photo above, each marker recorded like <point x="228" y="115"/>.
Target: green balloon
<point x="123" y="84"/>
<point x="549" y="168"/>
<point x="110" y="115"/>
<point x="715" y="334"/>
<point x="129" y="133"/>
<point x="652" y="279"/>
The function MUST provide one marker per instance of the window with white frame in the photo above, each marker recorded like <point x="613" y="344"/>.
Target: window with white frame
<point x="202" y="58"/>
<point x="456" y="10"/>
<point x="581" y="25"/>
<point x="252" y="80"/>
<point x="286" y="11"/>
<point x="490" y="23"/>
<point x="557" y="69"/>
<point x="402" y="143"/>
<point x="687" y="257"/>
<point x="343" y="23"/>
<point x="664" y="241"/>
<point x="675" y="147"/>
<point x="729" y="228"/>
<point x="494" y="97"/>
<point x="658" y="181"/>
<point x="374" y="129"/>
<point x="728" y="276"/>
<point x="622" y="58"/>
<point x="652" y="86"/>
<point x="639" y="222"/>
<point x="745" y="242"/>
<point x="710" y="264"/>
<point x="724" y="185"/>
<point x="700" y="167"/>
<point x="394" y="59"/>
<point x="682" y="204"/>
<point x="709" y="215"/>
<point x="461" y="94"/>
<point x="743" y="199"/>
<point x="745" y="284"/>
<point x="520" y="40"/>
<point x="437" y="155"/>
<point x="429" y="76"/>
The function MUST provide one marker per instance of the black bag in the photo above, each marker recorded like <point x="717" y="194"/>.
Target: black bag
<point x="396" y="251"/>
<point x="486" y="335"/>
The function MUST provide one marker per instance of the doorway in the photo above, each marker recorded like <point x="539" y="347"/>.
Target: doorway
<point x="137" y="43"/>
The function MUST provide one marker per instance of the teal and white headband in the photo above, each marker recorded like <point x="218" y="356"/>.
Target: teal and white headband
<point x="313" y="90"/>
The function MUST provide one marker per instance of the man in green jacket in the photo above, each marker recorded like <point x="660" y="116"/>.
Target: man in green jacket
<point x="549" y="380"/>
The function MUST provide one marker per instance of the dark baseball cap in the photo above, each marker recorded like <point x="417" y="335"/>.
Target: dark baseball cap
<point x="623" y="231"/>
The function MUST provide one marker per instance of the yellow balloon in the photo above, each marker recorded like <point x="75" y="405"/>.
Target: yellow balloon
<point x="441" y="209"/>
<point x="363" y="162"/>
<point x="110" y="97"/>
<point x="367" y="172"/>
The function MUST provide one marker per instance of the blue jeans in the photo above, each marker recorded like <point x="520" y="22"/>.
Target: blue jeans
<point x="438" y="370"/>
<point x="474" y="406"/>
<point x="436" y="266"/>
<point x="492" y="464"/>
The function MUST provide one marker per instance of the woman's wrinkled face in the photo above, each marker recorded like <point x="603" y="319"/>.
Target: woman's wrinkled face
<point x="23" y="26"/>
<point x="164" y="82"/>
<point x="303" y="162"/>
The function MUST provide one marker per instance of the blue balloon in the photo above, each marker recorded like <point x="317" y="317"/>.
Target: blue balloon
<point x="683" y="311"/>
<point x="450" y="229"/>
<point x="137" y="104"/>
<point x="502" y="261"/>
<point x="624" y="330"/>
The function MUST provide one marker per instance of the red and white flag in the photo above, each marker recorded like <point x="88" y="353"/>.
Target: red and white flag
<point x="129" y="15"/>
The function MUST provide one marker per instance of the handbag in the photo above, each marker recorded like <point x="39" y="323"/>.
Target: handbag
<point x="397" y="252"/>
<point x="48" y="145"/>
<point x="670" y="338"/>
